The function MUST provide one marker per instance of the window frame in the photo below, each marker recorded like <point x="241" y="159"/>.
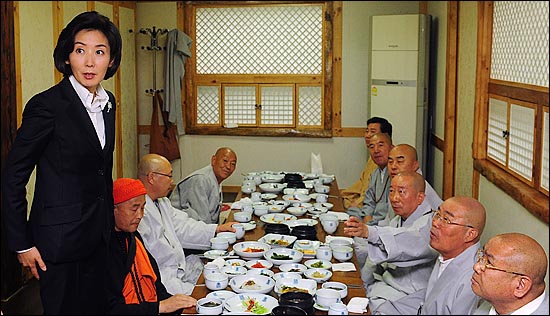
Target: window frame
<point x="530" y="195"/>
<point x="328" y="82"/>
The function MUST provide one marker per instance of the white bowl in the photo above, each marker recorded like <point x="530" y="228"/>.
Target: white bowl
<point x="276" y="208"/>
<point x="248" y="189"/>
<point x="318" y="210"/>
<point x="264" y="272"/>
<point x="292" y="267"/>
<point x="237" y="304"/>
<point x="233" y="271"/>
<point x="230" y="236"/>
<point x="327" y="297"/>
<point x="338" y="286"/>
<point x="318" y="264"/>
<point x="270" y="187"/>
<point x="331" y="217"/>
<point x="242" y="217"/>
<point x="295" y="191"/>
<point x="278" y="240"/>
<point x="219" y="243"/>
<point x="255" y="264"/>
<point x="234" y="262"/>
<point x="326" y="179"/>
<point x="293" y="198"/>
<point x="319" y="275"/>
<point x="292" y="285"/>
<point x="283" y="255"/>
<point x="260" y="210"/>
<point x="342" y="253"/>
<point x="339" y="242"/>
<point x="328" y="205"/>
<point x="272" y="178"/>
<point x="221" y="294"/>
<point x="252" y="284"/>
<point x="322" y="189"/>
<point x="216" y="309"/>
<point x="287" y="275"/>
<point x="216" y="281"/>
<point x="296" y="211"/>
<point x="247" y="249"/>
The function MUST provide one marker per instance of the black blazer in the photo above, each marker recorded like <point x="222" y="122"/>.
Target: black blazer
<point x="72" y="208"/>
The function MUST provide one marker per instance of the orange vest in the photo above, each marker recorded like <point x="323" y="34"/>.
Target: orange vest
<point x="139" y="285"/>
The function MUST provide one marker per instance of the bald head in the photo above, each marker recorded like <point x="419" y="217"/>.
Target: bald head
<point x="150" y="163"/>
<point x="223" y="162"/>
<point x="522" y="254"/>
<point x="473" y="212"/>
<point x="457" y="226"/>
<point x="402" y="157"/>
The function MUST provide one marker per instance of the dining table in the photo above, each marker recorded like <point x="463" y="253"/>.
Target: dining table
<point x="351" y="278"/>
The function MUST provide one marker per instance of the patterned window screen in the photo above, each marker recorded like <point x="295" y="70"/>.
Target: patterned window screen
<point x="240" y="105"/>
<point x="498" y="125"/>
<point x="260" y="40"/>
<point x="522" y="134"/>
<point x="520" y="42"/>
<point x="519" y="55"/>
<point x="277" y="106"/>
<point x="310" y="111"/>
<point x="545" y="159"/>
<point x="208" y="105"/>
<point x="241" y="43"/>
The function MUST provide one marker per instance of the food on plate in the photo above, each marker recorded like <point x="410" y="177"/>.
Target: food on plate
<point x="252" y="249"/>
<point x="318" y="264"/>
<point x="237" y="264"/>
<point x="285" y="289"/>
<point x="318" y="274"/>
<point x="258" y="265"/>
<point x="210" y="304"/>
<point x="294" y="270"/>
<point x="250" y="285"/>
<point x="280" y="242"/>
<point x="307" y="251"/>
<point x="253" y="306"/>
<point x="277" y="256"/>
<point x="335" y="288"/>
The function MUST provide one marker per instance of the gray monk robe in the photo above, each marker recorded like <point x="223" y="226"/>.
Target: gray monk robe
<point x="448" y="294"/>
<point x="199" y="195"/>
<point x="400" y="257"/>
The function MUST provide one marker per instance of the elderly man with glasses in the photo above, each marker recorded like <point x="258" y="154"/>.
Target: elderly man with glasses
<point x="509" y="276"/>
<point x="456" y="229"/>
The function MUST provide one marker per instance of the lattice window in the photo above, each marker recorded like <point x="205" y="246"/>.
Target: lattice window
<point x="260" y="40"/>
<point x="277" y="106"/>
<point x="268" y="62"/>
<point x="545" y="157"/>
<point x="520" y="42"/>
<point x="240" y="105"/>
<point x="208" y="103"/>
<point x="513" y="100"/>
<point x="310" y="110"/>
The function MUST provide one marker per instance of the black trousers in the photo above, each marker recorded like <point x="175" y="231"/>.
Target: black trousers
<point x="76" y="288"/>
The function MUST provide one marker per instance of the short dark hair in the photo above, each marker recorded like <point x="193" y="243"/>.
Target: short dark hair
<point x="385" y="125"/>
<point x="90" y="20"/>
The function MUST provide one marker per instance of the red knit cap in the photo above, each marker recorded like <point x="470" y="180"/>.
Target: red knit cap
<point x="126" y="188"/>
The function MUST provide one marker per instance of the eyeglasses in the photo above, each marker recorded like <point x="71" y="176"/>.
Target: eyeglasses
<point x="162" y="174"/>
<point x="438" y="215"/>
<point x="482" y="260"/>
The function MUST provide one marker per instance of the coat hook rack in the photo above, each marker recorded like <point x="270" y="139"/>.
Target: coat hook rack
<point x="154" y="33"/>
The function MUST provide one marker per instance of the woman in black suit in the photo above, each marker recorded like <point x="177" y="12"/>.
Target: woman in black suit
<point x="68" y="134"/>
